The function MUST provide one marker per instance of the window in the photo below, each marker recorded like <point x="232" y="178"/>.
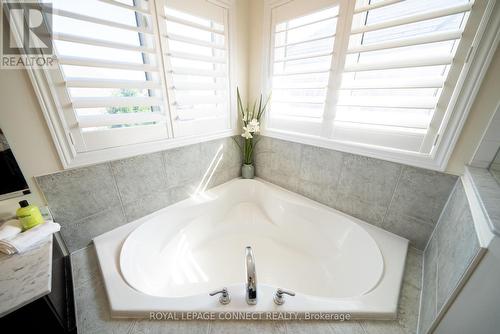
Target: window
<point x="110" y="71"/>
<point x="378" y="77"/>
<point x="136" y="76"/>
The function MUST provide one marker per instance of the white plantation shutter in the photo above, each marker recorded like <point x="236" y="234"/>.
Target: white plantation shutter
<point x="392" y="75"/>
<point x="397" y="62"/>
<point x="111" y="83"/>
<point x="196" y="50"/>
<point x="302" y="45"/>
<point x="139" y="71"/>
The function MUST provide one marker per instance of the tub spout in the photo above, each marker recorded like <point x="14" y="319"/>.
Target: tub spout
<point x="251" y="286"/>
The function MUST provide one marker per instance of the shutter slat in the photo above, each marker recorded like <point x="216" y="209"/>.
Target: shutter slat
<point x="300" y="73"/>
<point x="194" y="100"/>
<point x="194" y="41"/>
<point x="91" y="121"/>
<point x="192" y="56"/>
<point x="413" y="102"/>
<point x="298" y="87"/>
<point x="404" y="63"/>
<point x="306" y="24"/>
<point x="310" y="56"/>
<point x="298" y="101"/>
<point x="431" y="38"/>
<point x="123" y="5"/>
<point x="104" y="83"/>
<point x="197" y="72"/>
<point x="200" y="86"/>
<point x="376" y="5"/>
<point x="80" y="61"/>
<point x="100" y="42"/>
<point x="432" y="14"/>
<point x="192" y="114"/>
<point x="81" y="17"/>
<point x="435" y="82"/>
<point x="97" y="102"/>
<point x="305" y="41"/>
<point x="415" y="130"/>
<point x="192" y="24"/>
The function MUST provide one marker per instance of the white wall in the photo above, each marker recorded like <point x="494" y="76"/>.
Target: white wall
<point x="27" y="133"/>
<point x="479" y="117"/>
<point x="256" y="13"/>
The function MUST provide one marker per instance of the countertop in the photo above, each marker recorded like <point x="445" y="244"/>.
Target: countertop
<point x="92" y="309"/>
<point x="25" y="277"/>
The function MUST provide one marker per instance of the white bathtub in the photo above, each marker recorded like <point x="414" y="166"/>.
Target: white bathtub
<point x="170" y="260"/>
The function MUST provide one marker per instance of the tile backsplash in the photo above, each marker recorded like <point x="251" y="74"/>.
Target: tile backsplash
<point x="451" y="249"/>
<point x="91" y="200"/>
<point x="402" y="199"/>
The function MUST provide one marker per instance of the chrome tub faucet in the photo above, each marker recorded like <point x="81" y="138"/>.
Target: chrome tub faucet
<point x="251" y="285"/>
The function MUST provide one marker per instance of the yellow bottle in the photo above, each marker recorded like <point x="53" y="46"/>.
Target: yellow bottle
<point x="29" y="215"/>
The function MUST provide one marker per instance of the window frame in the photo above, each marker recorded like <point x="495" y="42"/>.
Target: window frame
<point x="477" y="59"/>
<point x="56" y="118"/>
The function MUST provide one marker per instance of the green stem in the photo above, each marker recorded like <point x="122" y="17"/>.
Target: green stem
<point x="248" y="150"/>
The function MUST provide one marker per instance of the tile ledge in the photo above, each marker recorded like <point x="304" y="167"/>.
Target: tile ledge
<point x="486" y="229"/>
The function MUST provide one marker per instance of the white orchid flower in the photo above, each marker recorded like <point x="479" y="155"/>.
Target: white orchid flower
<point x="254" y="125"/>
<point x="246" y="134"/>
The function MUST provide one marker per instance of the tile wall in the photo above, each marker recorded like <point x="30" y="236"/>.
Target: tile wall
<point x="401" y="199"/>
<point x="89" y="201"/>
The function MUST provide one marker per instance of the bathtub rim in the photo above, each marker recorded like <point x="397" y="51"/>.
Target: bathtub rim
<point x="126" y="302"/>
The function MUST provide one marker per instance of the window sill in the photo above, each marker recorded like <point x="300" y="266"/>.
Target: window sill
<point x="122" y="152"/>
<point x="416" y="159"/>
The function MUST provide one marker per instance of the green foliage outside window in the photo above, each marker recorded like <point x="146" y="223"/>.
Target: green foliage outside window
<point x="127" y="92"/>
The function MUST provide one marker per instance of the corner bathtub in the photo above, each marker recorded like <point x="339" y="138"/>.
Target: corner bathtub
<point x="170" y="260"/>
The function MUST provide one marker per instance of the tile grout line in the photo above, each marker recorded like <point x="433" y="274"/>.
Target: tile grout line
<point x="117" y="191"/>
<point x="341" y="173"/>
<point x="393" y="194"/>
<point x="361" y="324"/>
<point x="421" y="299"/>
<point x="441" y="214"/>
<point x="165" y="175"/>
<point x="40" y="190"/>
<point x="437" y="282"/>
<point x="78" y="221"/>
<point x="420" y="304"/>
<point x="209" y="327"/>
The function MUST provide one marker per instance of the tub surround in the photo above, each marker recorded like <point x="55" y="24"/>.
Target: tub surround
<point x="93" y="315"/>
<point x="449" y="255"/>
<point x="25" y="277"/>
<point x="175" y="265"/>
<point x="92" y="200"/>
<point x="401" y="199"/>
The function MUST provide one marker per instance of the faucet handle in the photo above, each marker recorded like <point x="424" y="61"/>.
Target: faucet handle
<point x="279" y="299"/>
<point x="224" y="298"/>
